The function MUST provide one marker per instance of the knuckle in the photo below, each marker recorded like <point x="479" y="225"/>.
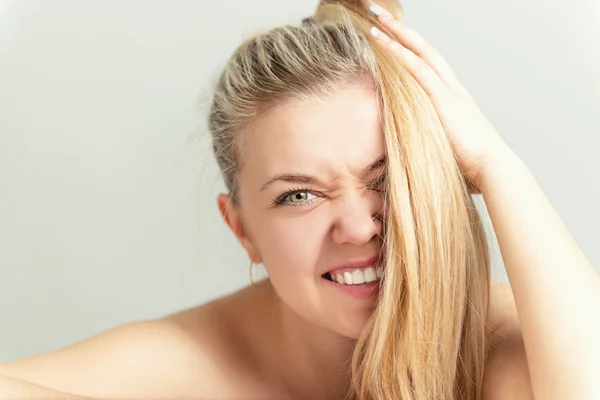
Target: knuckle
<point x="395" y="25"/>
<point x="397" y="47"/>
<point x="417" y="65"/>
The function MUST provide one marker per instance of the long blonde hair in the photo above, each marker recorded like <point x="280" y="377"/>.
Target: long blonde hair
<point x="427" y="338"/>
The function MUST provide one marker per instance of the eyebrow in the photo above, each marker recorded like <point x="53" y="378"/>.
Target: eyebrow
<point x="311" y="180"/>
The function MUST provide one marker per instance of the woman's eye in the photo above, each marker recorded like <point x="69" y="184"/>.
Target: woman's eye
<point x="299" y="197"/>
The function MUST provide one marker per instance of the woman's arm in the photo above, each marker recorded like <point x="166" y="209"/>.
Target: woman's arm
<point x="140" y="360"/>
<point x="15" y="389"/>
<point x="556" y="290"/>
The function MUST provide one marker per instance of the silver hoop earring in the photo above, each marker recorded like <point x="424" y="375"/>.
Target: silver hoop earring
<point x="250" y="273"/>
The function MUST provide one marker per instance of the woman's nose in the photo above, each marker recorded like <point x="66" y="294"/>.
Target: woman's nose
<point x="357" y="220"/>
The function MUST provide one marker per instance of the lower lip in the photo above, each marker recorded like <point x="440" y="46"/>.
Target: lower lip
<point x="362" y="291"/>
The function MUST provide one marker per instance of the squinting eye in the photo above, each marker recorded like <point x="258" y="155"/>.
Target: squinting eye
<point x="298" y="197"/>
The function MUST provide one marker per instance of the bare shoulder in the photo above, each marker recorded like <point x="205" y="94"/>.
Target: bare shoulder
<point x="506" y="373"/>
<point x="186" y="355"/>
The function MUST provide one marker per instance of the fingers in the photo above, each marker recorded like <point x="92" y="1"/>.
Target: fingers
<point x="414" y="42"/>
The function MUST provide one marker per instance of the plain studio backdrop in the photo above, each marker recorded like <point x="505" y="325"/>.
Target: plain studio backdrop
<point x="107" y="181"/>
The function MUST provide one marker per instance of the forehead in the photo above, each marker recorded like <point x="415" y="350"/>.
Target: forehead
<point x="324" y="134"/>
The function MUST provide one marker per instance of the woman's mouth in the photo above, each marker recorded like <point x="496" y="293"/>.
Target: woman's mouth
<point x="360" y="283"/>
<point x="355" y="276"/>
<point x="357" y="272"/>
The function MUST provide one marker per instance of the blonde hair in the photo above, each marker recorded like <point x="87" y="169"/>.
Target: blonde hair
<point x="427" y="338"/>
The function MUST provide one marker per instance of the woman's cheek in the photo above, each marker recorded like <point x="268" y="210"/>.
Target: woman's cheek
<point x="294" y="245"/>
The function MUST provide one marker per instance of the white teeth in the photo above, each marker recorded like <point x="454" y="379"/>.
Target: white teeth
<point x="347" y="278"/>
<point x="370" y="275"/>
<point x="358" y="277"/>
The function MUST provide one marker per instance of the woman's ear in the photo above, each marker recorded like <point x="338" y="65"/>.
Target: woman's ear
<point x="232" y="216"/>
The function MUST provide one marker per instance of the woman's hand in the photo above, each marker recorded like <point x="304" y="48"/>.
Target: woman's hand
<point x="474" y="139"/>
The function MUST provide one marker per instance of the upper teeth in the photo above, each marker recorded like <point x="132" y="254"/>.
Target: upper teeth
<point x="357" y="276"/>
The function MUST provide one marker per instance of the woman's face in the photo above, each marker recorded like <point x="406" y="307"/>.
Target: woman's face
<point x="307" y="200"/>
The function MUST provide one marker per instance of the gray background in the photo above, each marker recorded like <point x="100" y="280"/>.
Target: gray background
<point x="107" y="183"/>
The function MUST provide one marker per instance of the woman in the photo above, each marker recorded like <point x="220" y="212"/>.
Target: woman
<point x="350" y="157"/>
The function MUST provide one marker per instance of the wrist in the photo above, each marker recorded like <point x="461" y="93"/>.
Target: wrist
<point x="499" y="166"/>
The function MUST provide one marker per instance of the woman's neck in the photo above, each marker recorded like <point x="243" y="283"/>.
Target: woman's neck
<point x="310" y="360"/>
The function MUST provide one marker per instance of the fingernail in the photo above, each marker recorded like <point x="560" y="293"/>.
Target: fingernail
<point x="375" y="32"/>
<point x="375" y="10"/>
<point x="379" y="35"/>
<point x="380" y="12"/>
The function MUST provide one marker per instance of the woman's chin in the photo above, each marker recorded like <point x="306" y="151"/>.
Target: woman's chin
<point x="352" y="326"/>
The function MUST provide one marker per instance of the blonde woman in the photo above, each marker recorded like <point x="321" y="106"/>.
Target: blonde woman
<point x="350" y="152"/>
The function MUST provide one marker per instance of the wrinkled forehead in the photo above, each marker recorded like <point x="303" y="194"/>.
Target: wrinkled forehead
<point x="318" y="135"/>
